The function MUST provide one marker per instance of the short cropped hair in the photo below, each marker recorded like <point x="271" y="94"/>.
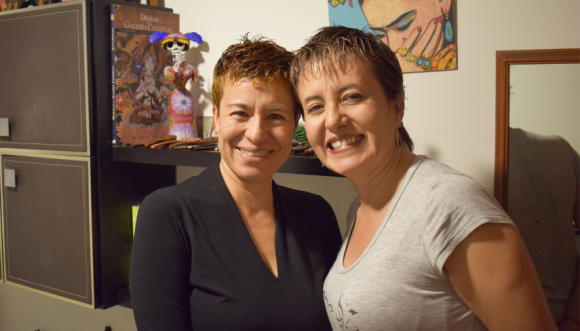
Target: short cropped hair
<point x="339" y="45"/>
<point x="258" y="59"/>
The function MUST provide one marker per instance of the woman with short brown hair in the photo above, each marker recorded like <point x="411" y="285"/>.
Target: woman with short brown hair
<point x="230" y="249"/>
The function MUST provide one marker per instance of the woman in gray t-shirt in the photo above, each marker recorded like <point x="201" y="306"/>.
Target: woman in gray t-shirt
<point x="426" y="248"/>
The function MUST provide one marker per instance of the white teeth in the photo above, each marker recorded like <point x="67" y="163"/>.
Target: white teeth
<point x="345" y="142"/>
<point x="249" y="153"/>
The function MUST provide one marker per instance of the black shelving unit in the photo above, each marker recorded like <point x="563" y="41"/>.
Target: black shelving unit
<point x="303" y="165"/>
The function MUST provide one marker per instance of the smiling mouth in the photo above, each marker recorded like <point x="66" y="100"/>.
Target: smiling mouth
<point x="344" y="142"/>
<point x="250" y="153"/>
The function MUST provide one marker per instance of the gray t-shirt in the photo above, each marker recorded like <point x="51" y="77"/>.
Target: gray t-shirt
<point x="398" y="282"/>
<point x="543" y="181"/>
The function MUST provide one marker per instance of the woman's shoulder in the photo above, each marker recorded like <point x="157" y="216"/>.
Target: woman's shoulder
<point x="198" y="187"/>
<point x="441" y="185"/>
<point x="439" y="176"/>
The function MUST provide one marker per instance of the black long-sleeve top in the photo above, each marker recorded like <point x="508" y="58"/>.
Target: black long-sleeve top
<point x="194" y="265"/>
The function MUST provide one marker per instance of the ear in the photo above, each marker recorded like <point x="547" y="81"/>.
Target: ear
<point x="216" y="116"/>
<point x="296" y="120"/>
<point x="400" y="106"/>
<point x="445" y="5"/>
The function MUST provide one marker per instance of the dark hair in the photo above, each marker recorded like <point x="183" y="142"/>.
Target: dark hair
<point x="339" y="44"/>
<point x="258" y="59"/>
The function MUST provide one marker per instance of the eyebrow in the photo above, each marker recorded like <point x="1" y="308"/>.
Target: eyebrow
<point x="340" y="91"/>
<point x="278" y="108"/>
<point x="241" y="105"/>
<point x="347" y="87"/>
<point x="312" y="97"/>
<point x="237" y="105"/>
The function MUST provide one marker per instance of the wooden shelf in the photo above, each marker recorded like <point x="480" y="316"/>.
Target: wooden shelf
<point x="304" y="165"/>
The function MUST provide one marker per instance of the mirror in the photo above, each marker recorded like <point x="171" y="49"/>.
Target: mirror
<point x="510" y="63"/>
<point x="537" y="166"/>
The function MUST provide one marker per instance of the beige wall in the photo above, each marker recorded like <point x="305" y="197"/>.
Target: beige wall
<point x="450" y="115"/>
<point x="544" y="98"/>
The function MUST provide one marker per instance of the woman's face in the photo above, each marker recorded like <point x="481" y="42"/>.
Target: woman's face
<point x="349" y="121"/>
<point x="404" y="23"/>
<point x="255" y="126"/>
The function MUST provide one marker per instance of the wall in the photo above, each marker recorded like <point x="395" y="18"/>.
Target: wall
<point x="544" y="99"/>
<point x="450" y="115"/>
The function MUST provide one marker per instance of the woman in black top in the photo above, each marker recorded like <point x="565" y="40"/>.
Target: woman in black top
<point x="229" y="249"/>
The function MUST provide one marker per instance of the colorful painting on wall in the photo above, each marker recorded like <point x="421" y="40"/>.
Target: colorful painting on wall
<point x="423" y="33"/>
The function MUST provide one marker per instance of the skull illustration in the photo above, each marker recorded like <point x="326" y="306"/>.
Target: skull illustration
<point x="178" y="43"/>
<point x="177" y="49"/>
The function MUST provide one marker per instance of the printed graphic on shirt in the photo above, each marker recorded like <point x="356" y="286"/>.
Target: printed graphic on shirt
<point x="343" y="318"/>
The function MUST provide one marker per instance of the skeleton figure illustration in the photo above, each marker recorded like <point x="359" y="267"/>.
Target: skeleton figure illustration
<point x="181" y="122"/>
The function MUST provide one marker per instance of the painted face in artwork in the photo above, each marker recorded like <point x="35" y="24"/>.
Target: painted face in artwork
<point x="415" y="30"/>
<point x="255" y="126"/>
<point x="149" y="64"/>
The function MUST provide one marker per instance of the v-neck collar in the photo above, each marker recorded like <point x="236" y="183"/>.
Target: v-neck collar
<point x="239" y="226"/>
<point x="340" y="259"/>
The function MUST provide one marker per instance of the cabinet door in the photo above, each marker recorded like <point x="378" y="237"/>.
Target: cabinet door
<point x="47" y="226"/>
<point x="43" y="80"/>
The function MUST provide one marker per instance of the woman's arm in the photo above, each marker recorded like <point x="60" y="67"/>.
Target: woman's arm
<point x="572" y="317"/>
<point x="571" y="320"/>
<point x="493" y="274"/>
<point x="160" y="269"/>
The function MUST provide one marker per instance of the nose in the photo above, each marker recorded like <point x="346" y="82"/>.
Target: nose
<point x="335" y="117"/>
<point x="256" y="130"/>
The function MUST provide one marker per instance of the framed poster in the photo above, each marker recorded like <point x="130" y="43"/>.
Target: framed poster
<point x="423" y="33"/>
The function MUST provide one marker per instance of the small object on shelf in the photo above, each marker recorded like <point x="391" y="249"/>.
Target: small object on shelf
<point x="300" y="134"/>
<point x="158" y="3"/>
<point x="134" y="211"/>
<point x="11" y="5"/>
<point x="162" y="139"/>
<point x="162" y="144"/>
<point x="194" y="143"/>
<point x="301" y="147"/>
<point x="28" y="3"/>
<point x="205" y="126"/>
<point x="181" y="115"/>
<point x="46" y="2"/>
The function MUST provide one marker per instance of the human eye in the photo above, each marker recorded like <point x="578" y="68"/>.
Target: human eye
<point x="406" y="22"/>
<point x="351" y="98"/>
<point x="380" y="33"/>
<point x="313" y="109"/>
<point x="276" y="117"/>
<point x="239" y="113"/>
